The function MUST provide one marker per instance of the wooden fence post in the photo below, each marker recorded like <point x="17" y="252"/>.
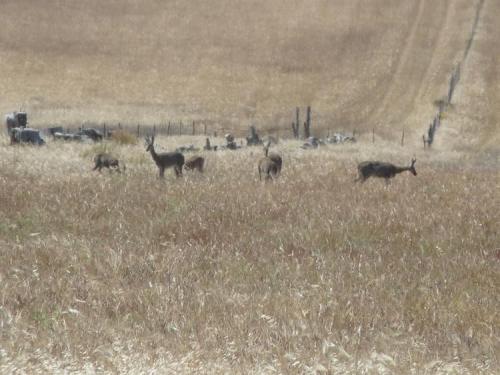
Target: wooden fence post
<point x="194" y="131"/>
<point x="297" y="121"/>
<point x="295" y="125"/>
<point x="307" y="124"/>
<point x="138" y="130"/>
<point x="180" y="127"/>
<point x="104" y="130"/>
<point x="403" y="138"/>
<point x="168" y="128"/>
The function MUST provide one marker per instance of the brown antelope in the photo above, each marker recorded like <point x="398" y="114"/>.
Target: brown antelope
<point x="194" y="162"/>
<point x="107" y="161"/>
<point x="269" y="165"/>
<point x="276" y="158"/>
<point x="368" y="169"/>
<point x="268" y="168"/>
<point x="166" y="159"/>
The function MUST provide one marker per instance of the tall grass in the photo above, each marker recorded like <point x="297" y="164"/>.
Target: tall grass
<point x="221" y="273"/>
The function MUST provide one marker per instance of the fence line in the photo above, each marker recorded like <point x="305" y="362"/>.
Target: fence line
<point x="168" y="129"/>
<point x="454" y="80"/>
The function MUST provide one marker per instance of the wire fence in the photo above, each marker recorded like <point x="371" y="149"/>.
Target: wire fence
<point x="453" y="83"/>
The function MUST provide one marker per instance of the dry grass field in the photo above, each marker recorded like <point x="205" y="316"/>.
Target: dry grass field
<point x="220" y="273"/>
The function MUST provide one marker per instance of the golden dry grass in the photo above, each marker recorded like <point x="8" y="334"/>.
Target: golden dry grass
<point x="218" y="273"/>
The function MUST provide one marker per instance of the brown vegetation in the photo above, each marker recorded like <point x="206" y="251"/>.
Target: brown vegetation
<point x="124" y="137"/>
<point x="310" y="273"/>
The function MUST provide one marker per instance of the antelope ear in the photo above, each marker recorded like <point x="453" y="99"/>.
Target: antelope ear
<point x="413" y="161"/>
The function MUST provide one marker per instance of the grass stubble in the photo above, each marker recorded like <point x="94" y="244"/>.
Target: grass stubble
<point x="218" y="273"/>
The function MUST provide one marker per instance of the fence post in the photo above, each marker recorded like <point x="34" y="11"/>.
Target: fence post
<point x="307" y="124"/>
<point x="168" y="128"/>
<point x="403" y="138"/>
<point x="194" y="130"/>
<point x="297" y="121"/>
<point x="138" y="130"/>
<point x="373" y="135"/>
<point x="104" y="130"/>
<point x="180" y="127"/>
<point x="295" y="125"/>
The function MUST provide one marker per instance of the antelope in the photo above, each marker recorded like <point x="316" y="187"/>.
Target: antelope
<point x="276" y="158"/>
<point x="165" y="160"/>
<point x="368" y="169"/>
<point x="106" y="160"/>
<point x="195" y="162"/>
<point x="268" y="168"/>
<point x="270" y="164"/>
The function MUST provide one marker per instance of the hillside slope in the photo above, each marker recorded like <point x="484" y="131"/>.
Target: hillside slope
<point x="473" y="121"/>
<point x="361" y="64"/>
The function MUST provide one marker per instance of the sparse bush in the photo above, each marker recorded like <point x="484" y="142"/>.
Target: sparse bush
<point x="124" y="137"/>
<point x="97" y="148"/>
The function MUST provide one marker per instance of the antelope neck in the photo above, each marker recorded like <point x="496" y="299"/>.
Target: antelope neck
<point x="402" y="169"/>
<point x="154" y="154"/>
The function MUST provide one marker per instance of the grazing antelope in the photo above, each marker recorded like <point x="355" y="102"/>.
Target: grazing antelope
<point x="106" y="160"/>
<point x="270" y="165"/>
<point x="194" y="162"/>
<point x="166" y="159"/>
<point x="268" y="168"/>
<point x="276" y="158"/>
<point x="368" y="169"/>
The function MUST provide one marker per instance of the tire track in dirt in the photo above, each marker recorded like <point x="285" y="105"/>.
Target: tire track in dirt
<point x="428" y="76"/>
<point x="421" y="72"/>
<point x="402" y="61"/>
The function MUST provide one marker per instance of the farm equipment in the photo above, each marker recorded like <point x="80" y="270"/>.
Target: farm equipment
<point x="92" y="133"/>
<point x="16" y="120"/>
<point x="83" y="135"/>
<point x="16" y="123"/>
<point x="253" y="138"/>
<point x="26" y="135"/>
